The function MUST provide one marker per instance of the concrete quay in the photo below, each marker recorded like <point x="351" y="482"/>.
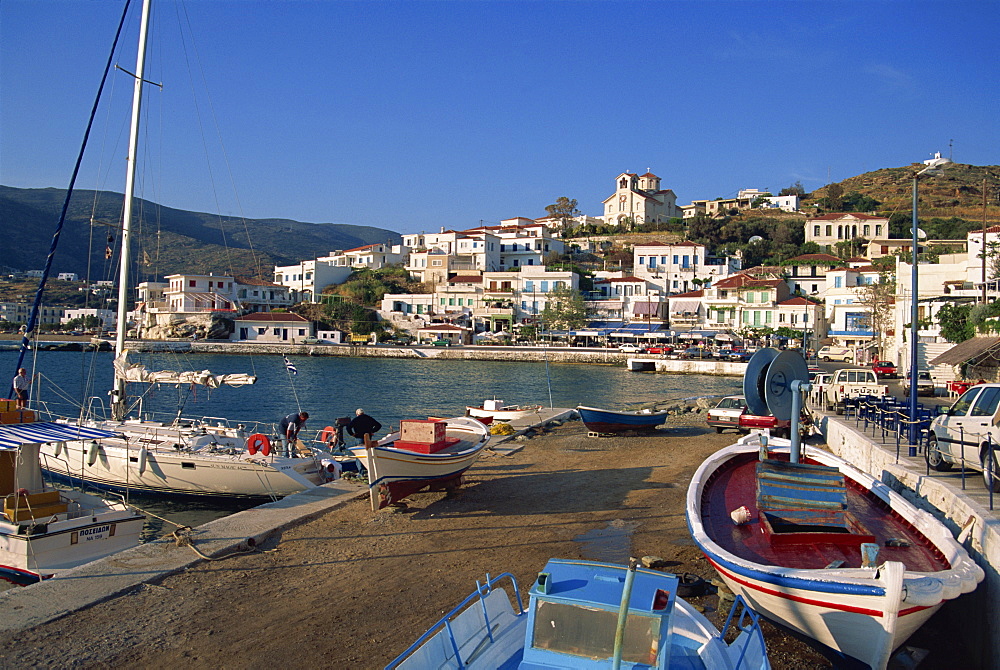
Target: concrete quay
<point x="148" y="563"/>
<point x="941" y="494"/>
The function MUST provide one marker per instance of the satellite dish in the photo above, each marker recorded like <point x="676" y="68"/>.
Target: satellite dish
<point x="756" y="238"/>
<point x="753" y="380"/>
<point x="783" y="370"/>
<point x="921" y="235"/>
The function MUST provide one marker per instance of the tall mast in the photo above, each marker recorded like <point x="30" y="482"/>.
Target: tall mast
<point x="124" y="285"/>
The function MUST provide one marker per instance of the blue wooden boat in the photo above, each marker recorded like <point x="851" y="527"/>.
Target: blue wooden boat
<point x="614" y="421"/>
<point x="585" y="615"/>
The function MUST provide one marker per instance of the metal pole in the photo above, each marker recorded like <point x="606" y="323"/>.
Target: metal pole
<point x="913" y="317"/>
<point x="984" y="240"/>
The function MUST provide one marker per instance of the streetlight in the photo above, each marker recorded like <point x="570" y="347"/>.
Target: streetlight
<point x="933" y="167"/>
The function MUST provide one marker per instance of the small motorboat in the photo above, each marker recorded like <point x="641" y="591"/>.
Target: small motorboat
<point x="431" y="453"/>
<point x="45" y="531"/>
<point x="585" y="615"/>
<point x="613" y="421"/>
<point x="823" y="547"/>
<point x="496" y="410"/>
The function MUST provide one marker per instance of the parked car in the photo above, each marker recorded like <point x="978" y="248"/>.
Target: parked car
<point x="696" y="352"/>
<point x="311" y="340"/>
<point x="925" y="385"/>
<point x="851" y="383"/>
<point x="442" y="343"/>
<point x="813" y="372"/>
<point x="722" y="354"/>
<point x="884" y="369"/>
<point x="659" y="349"/>
<point x="969" y="430"/>
<point x="777" y="427"/>
<point x="842" y="354"/>
<point x="631" y="349"/>
<point x="727" y="413"/>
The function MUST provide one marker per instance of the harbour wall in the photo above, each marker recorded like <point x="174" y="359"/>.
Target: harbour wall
<point x="978" y="616"/>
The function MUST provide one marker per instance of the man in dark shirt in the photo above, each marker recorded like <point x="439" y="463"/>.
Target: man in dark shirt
<point x="362" y="425"/>
<point x="289" y="429"/>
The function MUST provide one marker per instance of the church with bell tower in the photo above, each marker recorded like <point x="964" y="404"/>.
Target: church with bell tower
<point x="640" y="199"/>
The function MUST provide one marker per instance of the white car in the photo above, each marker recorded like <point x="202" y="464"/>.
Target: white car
<point x="727" y="413"/>
<point x="969" y="430"/>
<point x="630" y="349"/>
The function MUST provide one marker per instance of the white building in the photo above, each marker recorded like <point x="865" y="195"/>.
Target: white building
<point x="674" y="267"/>
<point x="108" y="317"/>
<point x="641" y="200"/>
<point x="282" y="327"/>
<point x="68" y="276"/>
<point x="190" y="293"/>
<point x="829" y="229"/>
<point x="308" y="278"/>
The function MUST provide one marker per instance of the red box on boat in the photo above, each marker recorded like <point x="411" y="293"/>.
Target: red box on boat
<point x="427" y="431"/>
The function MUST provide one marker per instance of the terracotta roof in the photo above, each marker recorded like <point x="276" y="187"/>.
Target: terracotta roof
<point x="991" y="229"/>
<point x="815" y="257"/>
<point x="857" y="259"/>
<point x="798" y="300"/>
<point x="627" y="279"/>
<point x="685" y="243"/>
<point x="253" y="281"/>
<point x="367" y="246"/>
<point x="650" y="174"/>
<point x="843" y="215"/>
<point x="273" y="317"/>
<point x="700" y="293"/>
<point x="466" y="279"/>
<point x="439" y="327"/>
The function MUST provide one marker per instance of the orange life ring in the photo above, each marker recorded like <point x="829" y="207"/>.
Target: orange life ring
<point x="328" y="434"/>
<point x="259" y="441"/>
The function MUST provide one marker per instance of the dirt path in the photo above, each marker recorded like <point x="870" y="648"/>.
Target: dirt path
<point x="353" y="589"/>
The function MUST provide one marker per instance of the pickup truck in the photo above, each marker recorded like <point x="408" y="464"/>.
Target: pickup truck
<point x="851" y="383"/>
<point x="778" y="428"/>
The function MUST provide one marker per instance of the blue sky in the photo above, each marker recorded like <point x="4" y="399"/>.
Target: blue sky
<point x="415" y="115"/>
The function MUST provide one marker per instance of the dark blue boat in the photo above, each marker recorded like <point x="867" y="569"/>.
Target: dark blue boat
<point x="612" y="421"/>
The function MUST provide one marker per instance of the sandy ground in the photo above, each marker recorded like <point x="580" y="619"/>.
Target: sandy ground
<point x="354" y="588"/>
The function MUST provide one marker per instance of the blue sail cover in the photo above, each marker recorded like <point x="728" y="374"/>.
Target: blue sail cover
<point x="15" y="435"/>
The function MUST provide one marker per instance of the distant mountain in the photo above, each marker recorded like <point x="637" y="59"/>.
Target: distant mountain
<point x="168" y="240"/>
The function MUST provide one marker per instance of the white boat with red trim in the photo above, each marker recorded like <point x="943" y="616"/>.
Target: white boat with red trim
<point x="823" y="547"/>
<point x="497" y="411"/>
<point x="431" y="453"/>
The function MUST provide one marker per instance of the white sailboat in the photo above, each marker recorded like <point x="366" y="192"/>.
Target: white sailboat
<point x="205" y="458"/>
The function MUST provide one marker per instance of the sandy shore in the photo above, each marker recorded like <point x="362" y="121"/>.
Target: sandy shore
<point x="354" y="588"/>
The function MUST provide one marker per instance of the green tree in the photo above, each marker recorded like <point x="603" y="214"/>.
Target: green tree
<point x="794" y="189"/>
<point x="954" y="321"/>
<point x="877" y="299"/>
<point x="564" y="210"/>
<point x="564" y="309"/>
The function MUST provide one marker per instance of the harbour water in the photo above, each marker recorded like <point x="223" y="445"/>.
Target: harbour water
<point x="331" y="387"/>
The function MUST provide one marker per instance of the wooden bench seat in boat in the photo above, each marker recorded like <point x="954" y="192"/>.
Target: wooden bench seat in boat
<point x="33" y="506"/>
<point x="806" y="503"/>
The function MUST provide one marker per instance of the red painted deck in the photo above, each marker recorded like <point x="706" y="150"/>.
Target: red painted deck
<point x="734" y="485"/>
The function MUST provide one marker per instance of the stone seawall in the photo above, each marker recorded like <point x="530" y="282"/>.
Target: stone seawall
<point x="976" y="611"/>
<point x="576" y="355"/>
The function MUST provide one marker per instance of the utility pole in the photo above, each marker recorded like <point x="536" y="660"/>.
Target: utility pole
<point x="984" y="240"/>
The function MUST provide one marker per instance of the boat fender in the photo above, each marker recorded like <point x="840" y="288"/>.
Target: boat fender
<point x="92" y="452"/>
<point x="922" y="591"/>
<point x="328" y="434"/>
<point x="59" y="448"/>
<point x="952" y="585"/>
<point x="691" y="585"/>
<point x="143" y="457"/>
<point x="258" y="441"/>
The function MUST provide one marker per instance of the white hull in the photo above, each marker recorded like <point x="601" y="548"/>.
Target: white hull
<point x="865" y="613"/>
<point x="210" y="464"/>
<point x="507" y="413"/>
<point x="69" y="539"/>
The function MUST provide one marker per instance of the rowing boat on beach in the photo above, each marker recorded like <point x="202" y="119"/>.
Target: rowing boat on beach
<point x="823" y="547"/>
<point x="430" y="453"/>
<point x="614" y="421"/>
<point x="496" y="410"/>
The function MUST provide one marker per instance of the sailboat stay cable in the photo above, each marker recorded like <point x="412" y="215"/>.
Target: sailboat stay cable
<point x="33" y="317"/>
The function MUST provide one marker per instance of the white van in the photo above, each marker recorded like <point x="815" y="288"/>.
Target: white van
<point x="842" y="354"/>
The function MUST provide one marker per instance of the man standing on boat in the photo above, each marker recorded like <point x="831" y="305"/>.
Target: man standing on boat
<point x="362" y="425"/>
<point x="289" y="429"/>
<point x="21" y="386"/>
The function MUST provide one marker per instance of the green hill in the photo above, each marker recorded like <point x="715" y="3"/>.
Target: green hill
<point x="167" y="240"/>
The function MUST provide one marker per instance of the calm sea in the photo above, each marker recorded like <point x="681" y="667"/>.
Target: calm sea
<point x="329" y="387"/>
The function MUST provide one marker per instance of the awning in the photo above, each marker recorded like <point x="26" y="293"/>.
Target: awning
<point x="724" y="337"/>
<point x="699" y="335"/>
<point x="682" y="306"/>
<point x="14" y="435"/>
<point x="647" y="308"/>
<point x="968" y="350"/>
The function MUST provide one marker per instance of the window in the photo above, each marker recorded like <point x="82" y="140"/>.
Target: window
<point x="964" y="404"/>
<point x="878" y="230"/>
<point x="838" y="282"/>
<point x="829" y="231"/>
<point x="192" y="283"/>
<point x="663" y="260"/>
<point x="866" y="230"/>
<point x="815" y="231"/>
<point x="986" y="403"/>
<point x="675" y="260"/>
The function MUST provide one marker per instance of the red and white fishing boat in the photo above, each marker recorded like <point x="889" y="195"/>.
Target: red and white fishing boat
<point x="824" y="548"/>
<point x="496" y="410"/>
<point x="421" y="454"/>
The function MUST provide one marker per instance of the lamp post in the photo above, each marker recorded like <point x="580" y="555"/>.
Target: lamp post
<point x="933" y="167"/>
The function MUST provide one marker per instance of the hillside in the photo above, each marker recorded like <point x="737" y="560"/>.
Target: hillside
<point x="168" y="240"/>
<point x="956" y="192"/>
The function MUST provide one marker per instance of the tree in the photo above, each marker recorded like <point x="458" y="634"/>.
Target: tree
<point x="564" y="309"/>
<point x="876" y="298"/>
<point x="564" y="210"/>
<point x="794" y="189"/>
<point x="954" y="321"/>
<point x="834" y="198"/>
